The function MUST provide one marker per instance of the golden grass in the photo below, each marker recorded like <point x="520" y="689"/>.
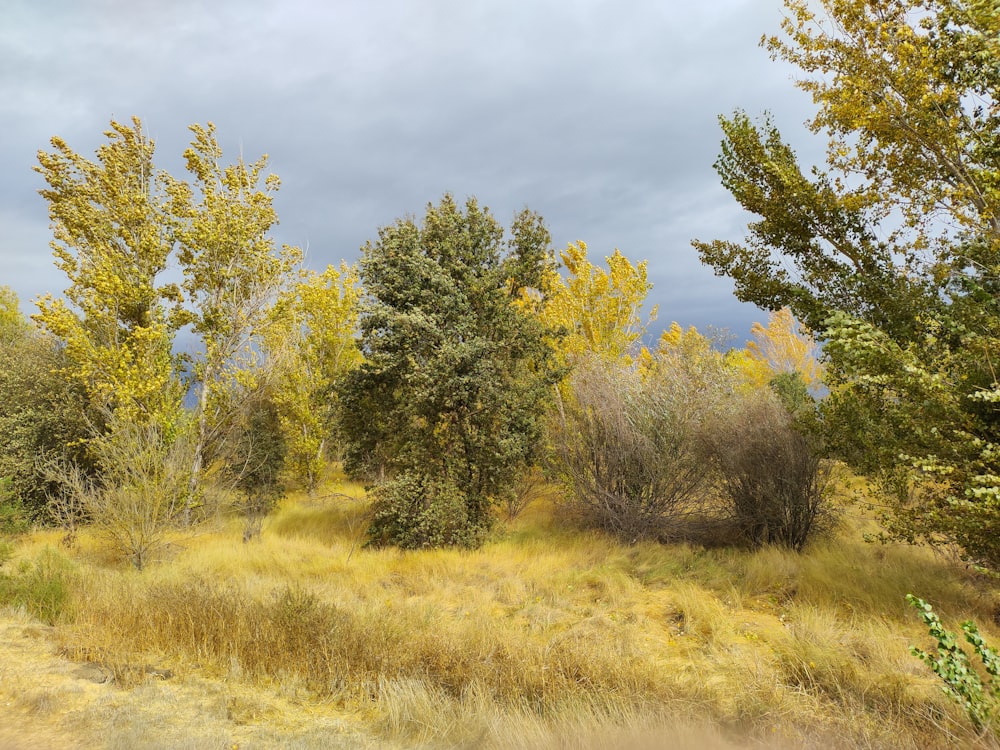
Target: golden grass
<point x="546" y="637"/>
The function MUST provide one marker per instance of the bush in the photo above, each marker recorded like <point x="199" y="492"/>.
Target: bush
<point x="414" y="510"/>
<point x="772" y="481"/>
<point x="626" y="450"/>
<point x="42" y="587"/>
<point x="13" y="517"/>
<point x="141" y="490"/>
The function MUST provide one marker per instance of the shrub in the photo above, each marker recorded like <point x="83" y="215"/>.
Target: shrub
<point x="413" y="510"/>
<point x="140" y="493"/>
<point x="13" y="518"/>
<point x="626" y="451"/>
<point x="772" y="481"/>
<point x="41" y="586"/>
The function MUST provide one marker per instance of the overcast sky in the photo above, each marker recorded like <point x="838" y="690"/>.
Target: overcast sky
<point x="599" y="115"/>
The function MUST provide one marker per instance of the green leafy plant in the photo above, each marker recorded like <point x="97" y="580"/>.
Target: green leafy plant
<point x="961" y="680"/>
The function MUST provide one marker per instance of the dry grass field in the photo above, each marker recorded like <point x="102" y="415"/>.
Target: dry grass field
<point x="545" y="637"/>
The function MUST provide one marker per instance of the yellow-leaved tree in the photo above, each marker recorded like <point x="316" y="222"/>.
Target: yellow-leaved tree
<point x="112" y="239"/>
<point x="600" y="310"/>
<point x="786" y="347"/>
<point x="233" y="275"/>
<point x="311" y="342"/>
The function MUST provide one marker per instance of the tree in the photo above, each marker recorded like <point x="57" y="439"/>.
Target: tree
<point x="449" y="401"/>
<point x="112" y="239"/>
<point x="232" y="274"/>
<point x="892" y="255"/>
<point x="311" y="343"/>
<point x="785" y="348"/>
<point x="43" y="415"/>
<point x="254" y="459"/>
<point x="599" y="310"/>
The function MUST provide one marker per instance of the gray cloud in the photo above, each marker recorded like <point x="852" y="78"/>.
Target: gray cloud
<point x="599" y="115"/>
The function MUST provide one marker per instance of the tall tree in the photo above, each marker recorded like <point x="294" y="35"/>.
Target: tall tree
<point x="112" y="238"/>
<point x="449" y="400"/>
<point x="232" y="274"/>
<point x="891" y="255"/>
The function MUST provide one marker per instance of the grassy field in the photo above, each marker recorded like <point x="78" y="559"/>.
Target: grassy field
<point x="545" y="637"/>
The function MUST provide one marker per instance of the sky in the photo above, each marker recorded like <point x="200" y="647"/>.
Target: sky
<point x="600" y="115"/>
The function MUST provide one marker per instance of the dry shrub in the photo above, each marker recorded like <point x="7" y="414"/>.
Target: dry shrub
<point x="771" y="478"/>
<point x="140" y="492"/>
<point x="627" y="451"/>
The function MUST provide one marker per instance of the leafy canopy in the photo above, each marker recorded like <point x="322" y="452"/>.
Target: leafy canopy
<point x="891" y="253"/>
<point x="448" y="402"/>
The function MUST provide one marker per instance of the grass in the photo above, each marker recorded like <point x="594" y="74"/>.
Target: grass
<point x="546" y="637"/>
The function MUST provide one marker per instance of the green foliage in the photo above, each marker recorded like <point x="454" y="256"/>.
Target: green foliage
<point x="13" y="518"/>
<point x="891" y="253"/>
<point x="414" y="510"/>
<point x="254" y="460"/>
<point x="962" y="682"/>
<point x="456" y="371"/>
<point x="43" y="586"/>
<point x="43" y="416"/>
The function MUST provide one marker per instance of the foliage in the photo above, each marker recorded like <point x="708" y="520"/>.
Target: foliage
<point x="43" y="414"/>
<point x="232" y="276"/>
<point x="890" y="255"/>
<point x="13" y="518"/>
<point x="786" y="348"/>
<point x="962" y="682"/>
<point x="414" y="510"/>
<point x="254" y="460"/>
<point x="599" y="310"/>
<point x="112" y="239"/>
<point x="770" y="474"/>
<point x="456" y="373"/>
<point x="310" y="344"/>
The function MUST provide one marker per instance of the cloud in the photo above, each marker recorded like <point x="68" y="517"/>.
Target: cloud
<point x="599" y="115"/>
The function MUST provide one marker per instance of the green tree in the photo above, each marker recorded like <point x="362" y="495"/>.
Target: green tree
<point x="42" y="413"/>
<point x="449" y="401"/>
<point x="891" y="254"/>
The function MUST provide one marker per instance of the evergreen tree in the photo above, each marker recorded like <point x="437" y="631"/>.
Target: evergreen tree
<point x="447" y="409"/>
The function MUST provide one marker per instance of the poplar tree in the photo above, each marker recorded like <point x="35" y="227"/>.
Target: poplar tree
<point x="890" y="253"/>
<point x="232" y="276"/>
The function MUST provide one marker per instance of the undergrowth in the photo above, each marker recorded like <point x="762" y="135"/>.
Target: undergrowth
<point x="543" y="634"/>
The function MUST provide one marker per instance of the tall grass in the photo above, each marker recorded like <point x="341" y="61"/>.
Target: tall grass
<point x="544" y="636"/>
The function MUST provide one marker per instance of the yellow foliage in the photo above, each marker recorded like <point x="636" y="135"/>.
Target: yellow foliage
<point x="311" y="342"/>
<point x="600" y="309"/>
<point x="785" y="346"/>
